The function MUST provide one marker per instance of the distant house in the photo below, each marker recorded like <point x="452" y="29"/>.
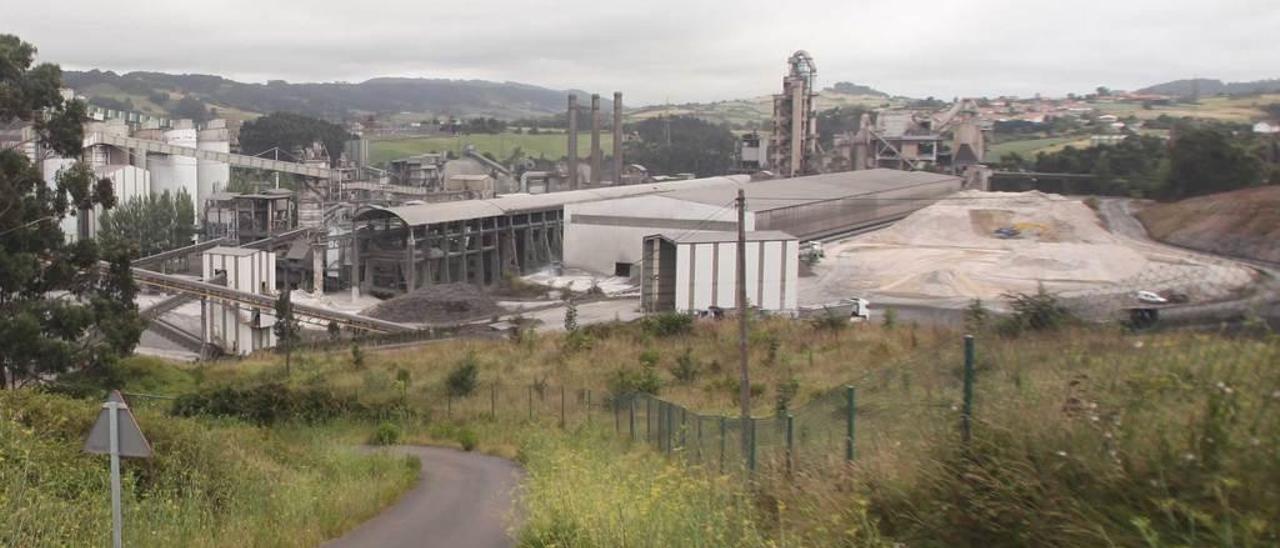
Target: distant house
<point x="1268" y="128"/>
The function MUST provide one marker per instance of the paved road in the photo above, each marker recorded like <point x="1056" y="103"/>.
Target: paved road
<point x="462" y="500"/>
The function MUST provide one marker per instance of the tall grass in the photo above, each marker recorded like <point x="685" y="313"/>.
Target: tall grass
<point x="586" y="489"/>
<point x="209" y="483"/>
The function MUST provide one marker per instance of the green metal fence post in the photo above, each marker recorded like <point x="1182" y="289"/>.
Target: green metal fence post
<point x="531" y="402"/>
<point x="666" y="427"/>
<point x="723" y="435"/>
<point x="684" y="428"/>
<point x="698" y="418"/>
<point x="850" y="401"/>
<point x="966" y="415"/>
<point x="631" y="417"/>
<point x="588" y="406"/>
<point x="617" y="417"/>
<point x="562" y="406"/>
<point x="749" y="429"/>
<point x="493" y="400"/>
<point x="791" y="445"/>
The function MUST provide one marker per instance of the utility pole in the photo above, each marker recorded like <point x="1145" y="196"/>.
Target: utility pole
<point x="744" y="389"/>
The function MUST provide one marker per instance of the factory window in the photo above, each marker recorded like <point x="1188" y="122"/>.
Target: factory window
<point x="622" y="269"/>
<point x="924" y="149"/>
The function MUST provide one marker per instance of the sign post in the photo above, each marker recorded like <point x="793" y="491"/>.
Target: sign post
<point x="119" y="438"/>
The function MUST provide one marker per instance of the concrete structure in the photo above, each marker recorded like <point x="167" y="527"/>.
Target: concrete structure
<point x="605" y="236"/>
<point x="1266" y="128"/>
<point x="595" y="169"/>
<point x="793" y="143"/>
<point x="753" y="153"/>
<point x="693" y="272"/>
<point x="212" y="176"/>
<point x="475" y="241"/>
<point x="236" y="328"/>
<point x="245" y="218"/>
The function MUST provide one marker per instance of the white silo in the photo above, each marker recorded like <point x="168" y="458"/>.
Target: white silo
<point x="213" y="176"/>
<point x="185" y="171"/>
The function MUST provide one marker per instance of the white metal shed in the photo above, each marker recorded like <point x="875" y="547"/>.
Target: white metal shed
<point x="694" y="272"/>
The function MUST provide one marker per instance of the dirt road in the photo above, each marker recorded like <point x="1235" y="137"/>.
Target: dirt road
<point x="463" y="499"/>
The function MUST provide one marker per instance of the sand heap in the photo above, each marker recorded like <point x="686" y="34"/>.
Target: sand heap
<point x="954" y="250"/>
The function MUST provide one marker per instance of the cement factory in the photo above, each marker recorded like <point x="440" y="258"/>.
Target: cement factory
<point x="352" y="234"/>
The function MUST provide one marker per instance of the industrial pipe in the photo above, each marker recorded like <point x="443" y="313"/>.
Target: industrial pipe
<point x="617" y="137"/>
<point x="595" y="139"/>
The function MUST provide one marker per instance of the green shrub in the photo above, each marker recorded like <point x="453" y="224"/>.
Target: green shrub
<point x="387" y="433"/>
<point x="467" y="438"/>
<point x="786" y="392"/>
<point x="669" y="324"/>
<point x="464" y="377"/>
<point x="976" y="317"/>
<point x="687" y="368"/>
<point x="626" y="381"/>
<point x="577" y="341"/>
<point x="357" y="356"/>
<point x="890" y="317"/>
<point x="1040" y="311"/>
<point x="271" y="403"/>
<point x="649" y="358"/>
<point x="829" y="321"/>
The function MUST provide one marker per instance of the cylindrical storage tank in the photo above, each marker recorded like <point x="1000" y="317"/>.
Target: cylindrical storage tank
<point x="212" y="176"/>
<point x="184" y="173"/>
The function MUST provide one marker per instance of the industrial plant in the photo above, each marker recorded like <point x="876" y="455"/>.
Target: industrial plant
<point x="345" y="235"/>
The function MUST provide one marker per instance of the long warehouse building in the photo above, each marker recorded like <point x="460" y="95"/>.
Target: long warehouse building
<point x="607" y="236"/>
<point x="399" y="249"/>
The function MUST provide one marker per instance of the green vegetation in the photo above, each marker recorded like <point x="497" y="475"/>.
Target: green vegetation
<point x="1027" y="147"/>
<point x="94" y="321"/>
<point x="290" y="132"/>
<point x="681" y="144"/>
<point x="211" y="483"/>
<point x="149" y="224"/>
<point x="551" y="146"/>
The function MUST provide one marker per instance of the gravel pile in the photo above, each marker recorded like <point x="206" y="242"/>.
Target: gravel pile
<point x="437" y="304"/>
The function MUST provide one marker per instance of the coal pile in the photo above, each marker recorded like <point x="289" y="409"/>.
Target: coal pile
<point x="437" y="304"/>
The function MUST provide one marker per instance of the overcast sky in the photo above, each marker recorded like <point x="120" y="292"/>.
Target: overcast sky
<point x="660" y="50"/>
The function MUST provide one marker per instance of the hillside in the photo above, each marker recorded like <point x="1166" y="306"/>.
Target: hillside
<point x="1207" y="86"/>
<point x="756" y="112"/>
<point x="1242" y="222"/>
<point x="159" y="93"/>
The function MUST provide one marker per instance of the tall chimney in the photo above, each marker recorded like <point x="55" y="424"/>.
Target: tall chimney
<point x="617" y="137"/>
<point x="573" y="142"/>
<point x="595" y="139"/>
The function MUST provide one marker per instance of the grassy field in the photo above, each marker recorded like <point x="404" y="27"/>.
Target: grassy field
<point x="1224" y="108"/>
<point x="1089" y="436"/>
<point x="211" y="482"/>
<point x="1027" y="148"/>
<point x="549" y="146"/>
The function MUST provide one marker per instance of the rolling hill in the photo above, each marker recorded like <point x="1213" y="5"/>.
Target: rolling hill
<point x="1207" y="86"/>
<point x="159" y="93"/>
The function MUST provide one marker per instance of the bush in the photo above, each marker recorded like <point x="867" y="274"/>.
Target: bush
<point x="464" y="377"/>
<point x="271" y="403"/>
<point x="577" y="341"/>
<point x="649" y="358"/>
<point x="1038" y="312"/>
<point x="467" y="438"/>
<point x="687" y="368"/>
<point x="976" y="316"/>
<point x="667" y="325"/>
<point x="829" y="321"/>
<point x="387" y="433"/>
<point x="785" y="394"/>
<point x="890" y="318"/>
<point x="626" y="381"/>
<point x="357" y="356"/>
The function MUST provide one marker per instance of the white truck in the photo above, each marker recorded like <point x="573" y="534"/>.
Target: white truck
<point x="856" y="309"/>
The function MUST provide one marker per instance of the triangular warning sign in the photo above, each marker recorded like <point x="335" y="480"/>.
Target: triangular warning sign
<point x="132" y="442"/>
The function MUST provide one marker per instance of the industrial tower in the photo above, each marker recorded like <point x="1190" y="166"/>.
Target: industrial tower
<point x="793" y="145"/>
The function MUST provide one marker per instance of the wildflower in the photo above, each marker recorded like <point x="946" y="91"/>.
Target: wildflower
<point x="1062" y="453"/>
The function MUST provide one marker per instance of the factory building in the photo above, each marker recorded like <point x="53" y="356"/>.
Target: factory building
<point x="235" y="328"/>
<point x="793" y="143"/>
<point x="694" y="272"/>
<point x="606" y="236"/>
<point x="399" y="249"/>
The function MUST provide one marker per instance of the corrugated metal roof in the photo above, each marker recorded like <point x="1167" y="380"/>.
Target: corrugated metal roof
<point x="781" y="193"/>
<point x="443" y="212"/>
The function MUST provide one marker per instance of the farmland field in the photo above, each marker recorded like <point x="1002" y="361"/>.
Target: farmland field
<point x="1027" y="148"/>
<point x="551" y="146"/>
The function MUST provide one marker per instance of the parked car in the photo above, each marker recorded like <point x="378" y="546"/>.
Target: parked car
<point x="1150" y="297"/>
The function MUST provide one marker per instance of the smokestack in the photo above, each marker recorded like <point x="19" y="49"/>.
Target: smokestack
<point x="573" y="142"/>
<point x="595" y="139"/>
<point x="617" y="137"/>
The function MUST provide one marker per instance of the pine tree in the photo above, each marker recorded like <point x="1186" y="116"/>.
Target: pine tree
<point x="287" y="329"/>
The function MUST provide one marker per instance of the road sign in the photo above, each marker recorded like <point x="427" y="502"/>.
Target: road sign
<point x="131" y="441"/>
<point x="117" y="438"/>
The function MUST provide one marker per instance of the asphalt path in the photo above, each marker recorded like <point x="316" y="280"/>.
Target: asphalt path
<point x="462" y="500"/>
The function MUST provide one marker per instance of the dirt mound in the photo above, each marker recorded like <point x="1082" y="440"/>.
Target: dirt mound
<point x="1244" y="222"/>
<point x="437" y="303"/>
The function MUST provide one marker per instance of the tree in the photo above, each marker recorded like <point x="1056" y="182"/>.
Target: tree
<point x="290" y="132"/>
<point x="61" y="309"/>
<point x="191" y="107"/>
<point x="150" y="224"/>
<point x="287" y="328"/>
<point x="1204" y="160"/>
<point x="571" y="315"/>
<point x="682" y="144"/>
